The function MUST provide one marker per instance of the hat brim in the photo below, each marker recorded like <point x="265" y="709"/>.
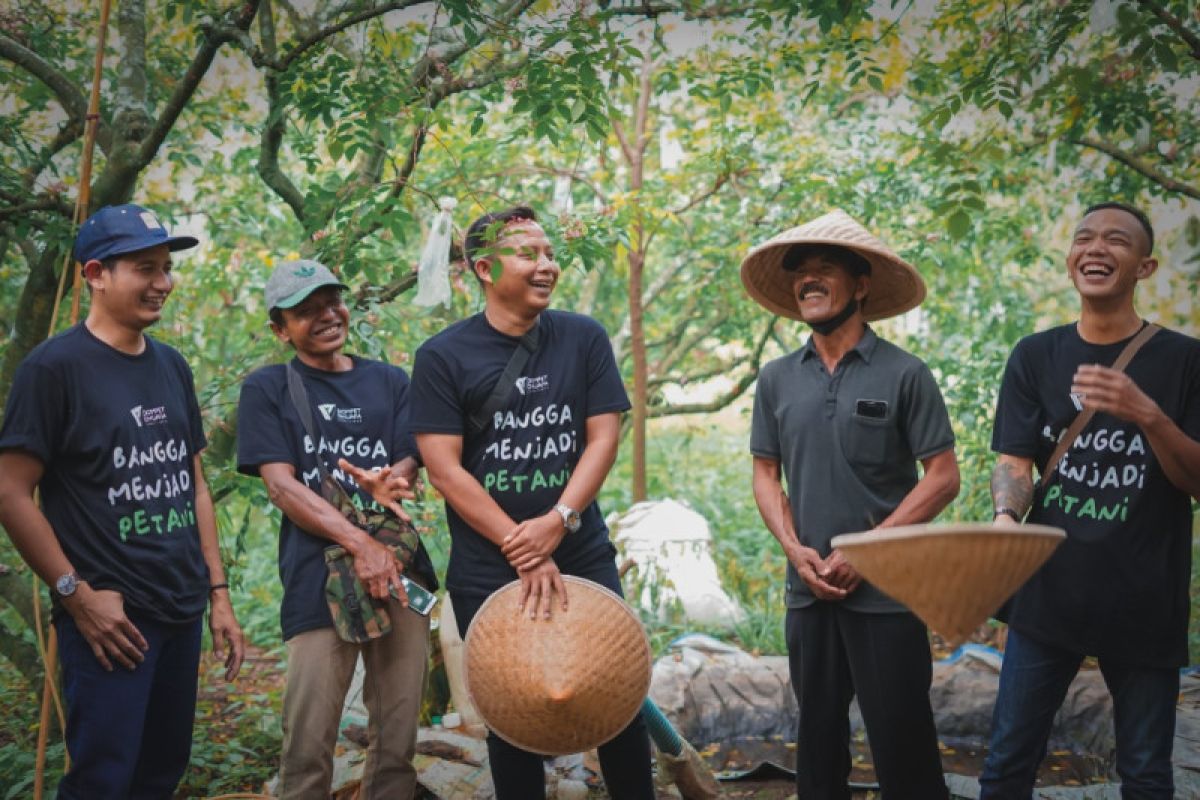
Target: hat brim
<point x="298" y="297"/>
<point x="951" y="575"/>
<point x="118" y="248"/>
<point x="896" y="286"/>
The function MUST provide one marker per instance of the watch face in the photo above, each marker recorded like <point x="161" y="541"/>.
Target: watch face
<point x="65" y="585"/>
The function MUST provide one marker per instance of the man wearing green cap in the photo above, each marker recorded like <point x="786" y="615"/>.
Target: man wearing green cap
<point x="358" y="408"/>
<point x="103" y="420"/>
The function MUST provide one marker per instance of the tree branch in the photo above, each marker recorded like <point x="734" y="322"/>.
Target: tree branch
<point x="65" y="91"/>
<point x="214" y="36"/>
<point x="268" y="60"/>
<point x="1138" y="165"/>
<point x="688" y="10"/>
<point x="45" y="202"/>
<point x="1175" y="24"/>
<point x="274" y="128"/>
<point x="734" y="393"/>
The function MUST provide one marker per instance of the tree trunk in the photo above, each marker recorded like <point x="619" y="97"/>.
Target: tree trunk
<point x="637" y="345"/>
<point x="17" y="591"/>
<point x="33" y="313"/>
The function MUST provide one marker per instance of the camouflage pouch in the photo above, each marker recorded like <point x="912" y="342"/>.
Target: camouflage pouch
<point x="358" y="617"/>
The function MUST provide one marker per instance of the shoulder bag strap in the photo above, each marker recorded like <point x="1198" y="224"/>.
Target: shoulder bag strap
<point x="1085" y="416"/>
<point x="504" y="386"/>
<point x="299" y="397"/>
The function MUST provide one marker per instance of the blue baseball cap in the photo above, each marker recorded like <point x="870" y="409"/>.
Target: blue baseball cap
<point x="116" y="230"/>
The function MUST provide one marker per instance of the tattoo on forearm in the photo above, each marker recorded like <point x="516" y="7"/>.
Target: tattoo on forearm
<point x="1011" y="488"/>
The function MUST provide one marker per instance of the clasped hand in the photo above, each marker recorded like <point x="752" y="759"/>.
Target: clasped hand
<point x="533" y="541"/>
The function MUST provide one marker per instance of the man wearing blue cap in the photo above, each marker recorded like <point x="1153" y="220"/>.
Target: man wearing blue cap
<point x="357" y="410"/>
<point x="103" y="420"/>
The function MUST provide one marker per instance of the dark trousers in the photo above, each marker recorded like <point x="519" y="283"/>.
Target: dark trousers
<point x="835" y="654"/>
<point x="129" y="732"/>
<point x="519" y="774"/>
<point x="1034" y="681"/>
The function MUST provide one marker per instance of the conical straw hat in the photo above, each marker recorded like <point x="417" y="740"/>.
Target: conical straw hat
<point x="952" y="576"/>
<point x="563" y="685"/>
<point x="896" y="286"/>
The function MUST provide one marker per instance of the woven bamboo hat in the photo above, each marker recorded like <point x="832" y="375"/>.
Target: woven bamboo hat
<point x="952" y="576"/>
<point x="563" y="685"/>
<point x="896" y="286"/>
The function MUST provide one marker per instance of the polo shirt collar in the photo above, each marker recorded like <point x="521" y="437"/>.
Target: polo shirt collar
<point x="865" y="347"/>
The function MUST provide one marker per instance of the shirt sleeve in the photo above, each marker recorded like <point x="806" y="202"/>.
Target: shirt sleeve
<point x="36" y="412"/>
<point x="1190" y="422"/>
<point x="260" y="435"/>
<point x="195" y="421"/>
<point x="434" y="404"/>
<point x="764" y="427"/>
<point x="606" y="390"/>
<point x="1019" y="416"/>
<point x="403" y="444"/>
<point x="926" y="420"/>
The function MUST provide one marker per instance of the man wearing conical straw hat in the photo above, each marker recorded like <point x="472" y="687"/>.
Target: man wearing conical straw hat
<point x="1117" y="588"/>
<point x="845" y="420"/>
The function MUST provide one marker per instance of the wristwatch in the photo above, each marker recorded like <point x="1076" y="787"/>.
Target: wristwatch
<point x="66" y="585"/>
<point x="999" y="510"/>
<point x="570" y="517"/>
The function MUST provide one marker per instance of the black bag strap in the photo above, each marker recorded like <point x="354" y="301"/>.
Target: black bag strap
<point x="504" y="385"/>
<point x="299" y="397"/>
<point x="1085" y="416"/>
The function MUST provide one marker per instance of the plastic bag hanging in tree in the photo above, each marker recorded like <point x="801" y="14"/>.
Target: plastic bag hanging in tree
<point x="433" y="270"/>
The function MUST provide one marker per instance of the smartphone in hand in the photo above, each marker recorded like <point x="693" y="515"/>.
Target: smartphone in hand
<point x="420" y="599"/>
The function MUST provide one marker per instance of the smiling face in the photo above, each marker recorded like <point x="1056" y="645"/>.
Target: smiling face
<point x="316" y="326"/>
<point x="521" y="276"/>
<point x="1109" y="254"/>
<point x="823" y="286"/>
<point x="132" y="291"/>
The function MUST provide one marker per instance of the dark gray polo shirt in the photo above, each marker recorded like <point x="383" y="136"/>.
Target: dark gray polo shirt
<point x="849" y="443"/>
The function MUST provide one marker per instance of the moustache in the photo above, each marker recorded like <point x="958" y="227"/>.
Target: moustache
<point x="812" y="287"/>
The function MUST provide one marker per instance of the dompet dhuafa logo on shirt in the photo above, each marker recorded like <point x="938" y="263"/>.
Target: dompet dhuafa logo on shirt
<point x="331" y="412"/>
<point x="145" y="417"/>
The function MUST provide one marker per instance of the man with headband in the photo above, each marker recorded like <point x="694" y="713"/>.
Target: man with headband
<point x="845" y="420"/>
<point x="520" y="453"/>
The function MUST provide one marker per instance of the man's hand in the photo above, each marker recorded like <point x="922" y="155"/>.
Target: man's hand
<point x="226" y="633"/>
<point x="100" y="616"/>
<point x="385" y="487"/>
<point x="536" y="586"/>
<point x="533" y="540"/>
<point x="837" y="571"/>
<point x="377" y="567"/>
<point x="809" y="564"/>
<point x="1105" y="389"/>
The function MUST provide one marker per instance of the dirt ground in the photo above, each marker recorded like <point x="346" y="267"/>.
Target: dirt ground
<point x="262" y="682"/>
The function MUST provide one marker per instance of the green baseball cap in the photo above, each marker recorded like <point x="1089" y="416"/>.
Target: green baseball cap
<point x="292" y="281"/>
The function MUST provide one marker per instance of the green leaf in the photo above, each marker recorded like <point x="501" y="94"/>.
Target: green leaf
<point x="958" y="224"/>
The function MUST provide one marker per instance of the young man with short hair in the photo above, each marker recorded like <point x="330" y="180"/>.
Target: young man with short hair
<point x="845" y="420"/>
<point x="103" y="420"/>
<point x="1117" y="588"/>
<point x="358" y="407"/>
<point x="520" y="485"/>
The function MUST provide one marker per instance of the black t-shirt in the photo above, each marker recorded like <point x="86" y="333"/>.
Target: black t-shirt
<point x="117" y="434"/>
<point x="360" y="415"/>
<point x="527" y="451"/>
<point x="1118" y="586"/>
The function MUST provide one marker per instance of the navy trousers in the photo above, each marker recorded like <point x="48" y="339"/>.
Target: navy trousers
<point x="129" y="732"/>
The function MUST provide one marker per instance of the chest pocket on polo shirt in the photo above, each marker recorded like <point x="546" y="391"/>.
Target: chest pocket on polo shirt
<point x="870" y="434"/>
